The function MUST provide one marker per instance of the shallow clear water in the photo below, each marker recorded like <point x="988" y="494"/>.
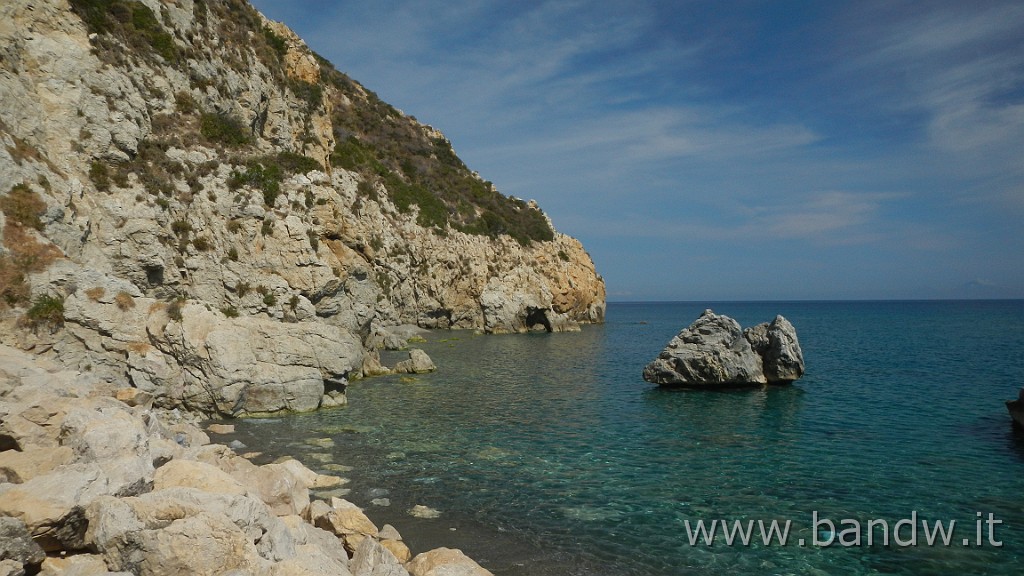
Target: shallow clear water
<point x="548" y="453"/>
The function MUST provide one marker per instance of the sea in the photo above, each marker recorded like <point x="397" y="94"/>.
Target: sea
<point x="549" y="454"/>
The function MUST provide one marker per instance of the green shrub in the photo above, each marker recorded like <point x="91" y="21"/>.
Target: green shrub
<point x="230" y="312"/>
<point x="224" y="129"/>
<point x="181" y="228"/>
<point x="132" y="22"/>
<point x="266" y="173"/>
<point x="233" y="254"/>
<point x="276" y="43"/>
<point x="202" y="243"/>
<point x="420" y="170"/>
<point x="99" y="173"/>
<point x="365" y="188"/>
<point x="47" y="311"/>
<point x="269" y="299"/>
<point x="292" y="163"/>
<point x="242" y="288"/>
<point x="185" y="103"/>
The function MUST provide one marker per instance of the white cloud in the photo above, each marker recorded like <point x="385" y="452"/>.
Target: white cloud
<point x="961" y="66"/>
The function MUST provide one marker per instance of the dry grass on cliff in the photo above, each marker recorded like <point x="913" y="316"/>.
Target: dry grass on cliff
<point x="23" y="254"/>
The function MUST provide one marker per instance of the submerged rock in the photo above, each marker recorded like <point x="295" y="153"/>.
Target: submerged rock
<point x="421" y="511"/>
<point x="715" y="352"/>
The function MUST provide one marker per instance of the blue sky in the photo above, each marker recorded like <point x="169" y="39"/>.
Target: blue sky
<point x="710" y="150"/>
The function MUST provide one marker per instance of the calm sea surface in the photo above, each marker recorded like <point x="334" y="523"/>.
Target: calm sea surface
<point x="549" y="454"/>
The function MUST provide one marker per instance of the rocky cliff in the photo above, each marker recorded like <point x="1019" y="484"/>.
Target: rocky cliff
<point x="196" y="204"/>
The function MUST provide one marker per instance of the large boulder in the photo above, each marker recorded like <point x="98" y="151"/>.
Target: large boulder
<point x="710" y="352"/>
<point x="249" y="366"/>
<point x="715" y="351"/>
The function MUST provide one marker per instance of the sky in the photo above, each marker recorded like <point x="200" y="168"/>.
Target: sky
<point x="739" y="150"/>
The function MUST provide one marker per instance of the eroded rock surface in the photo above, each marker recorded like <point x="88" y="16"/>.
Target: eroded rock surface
<point x="716" y="351"/>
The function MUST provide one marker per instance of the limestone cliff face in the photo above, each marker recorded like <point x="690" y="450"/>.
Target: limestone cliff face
<point x="223" y="199"/>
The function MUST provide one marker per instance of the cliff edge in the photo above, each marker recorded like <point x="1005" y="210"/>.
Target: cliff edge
<point x="195" y="204"/>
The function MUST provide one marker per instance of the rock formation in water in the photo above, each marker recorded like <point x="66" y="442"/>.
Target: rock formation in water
<point x="196" y="205"/>
<point x="715" y="351"/>
<point x="1016" y="408"/>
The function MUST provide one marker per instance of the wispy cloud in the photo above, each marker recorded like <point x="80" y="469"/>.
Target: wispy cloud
<point x="824" y="218"/>
<point x="961" y="66"/>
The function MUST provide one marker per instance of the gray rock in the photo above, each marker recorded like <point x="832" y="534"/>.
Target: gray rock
<point x="11" y="568"/>
<point x="1016" y="408"/>
<point x="418" y="363"/>
<point x="17" y="544"/>
<point x="779" y="348"/>
<point x="248" y="366"/>
<point x="373" y="559"/>
<point x="710" y="352"/>
<point x="715" y="351"/>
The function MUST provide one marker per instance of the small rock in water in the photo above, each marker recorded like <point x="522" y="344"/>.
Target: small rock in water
<point x="377" y="492"/>
<point x="336" y="493"/>
<point x="328" y="481"/>
<point x="336" y="468"/>
<point x="221" y="428"/>
<point x="236" y="445"/>
<point x="321" y="442"/>
<point x="381" y="502"/>
<point x="420" y="511"/>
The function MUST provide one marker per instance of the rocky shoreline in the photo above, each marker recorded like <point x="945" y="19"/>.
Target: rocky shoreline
<point x="95" y="480"/>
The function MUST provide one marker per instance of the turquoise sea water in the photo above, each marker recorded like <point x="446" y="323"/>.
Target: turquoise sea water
<point x="548" y="453"/>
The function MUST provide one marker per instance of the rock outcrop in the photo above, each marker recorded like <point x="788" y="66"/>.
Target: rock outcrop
<point x="776" y="343"/>
<point x="1016" y="408"/>
<point x="224" y="207"/>
<point x="137" y="490"/>
<point x="715" y="351"/>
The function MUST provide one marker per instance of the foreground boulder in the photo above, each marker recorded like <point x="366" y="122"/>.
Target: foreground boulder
<point x="92" y="485"/>
<point x="715" y="351"/>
